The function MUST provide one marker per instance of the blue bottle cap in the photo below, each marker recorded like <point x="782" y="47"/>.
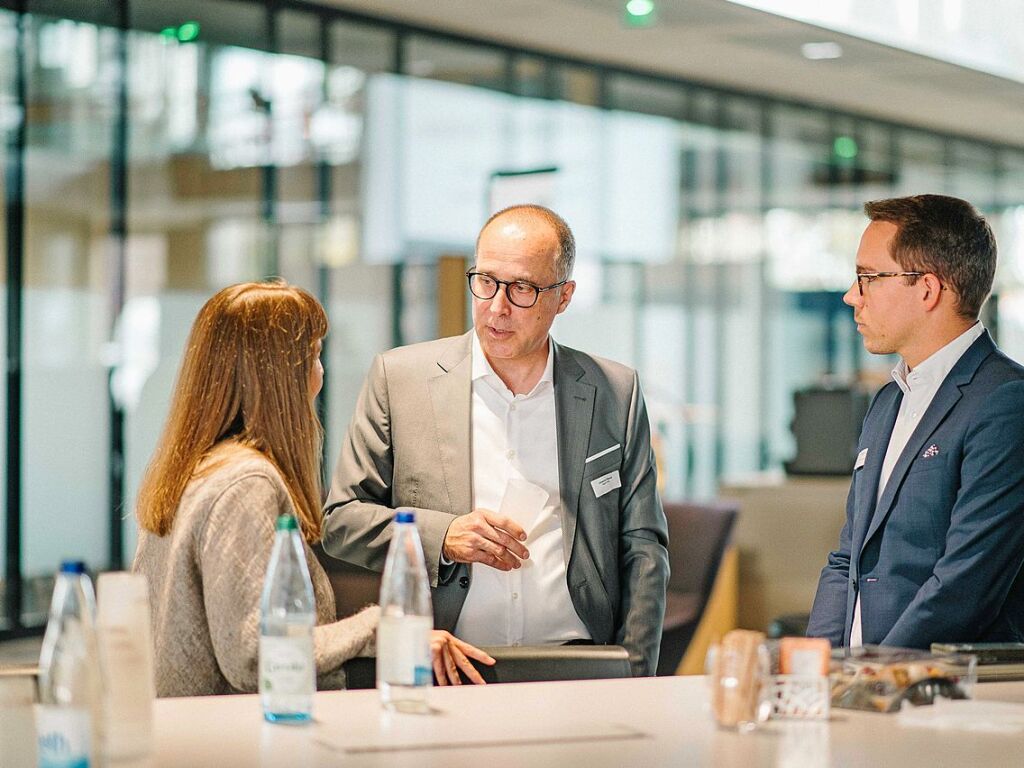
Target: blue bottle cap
<point x="72" y="566"/>
<point x="405" y="516"/>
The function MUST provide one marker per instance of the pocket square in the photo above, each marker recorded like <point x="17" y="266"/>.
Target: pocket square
<point x="932" y="450"/>
<point x="605" y="452"/>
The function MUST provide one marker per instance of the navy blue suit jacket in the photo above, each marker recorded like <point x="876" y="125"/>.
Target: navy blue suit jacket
<point x="938" y="558"/>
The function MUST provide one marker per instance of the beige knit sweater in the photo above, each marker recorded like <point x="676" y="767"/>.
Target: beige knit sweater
<point x="205" y="581"/>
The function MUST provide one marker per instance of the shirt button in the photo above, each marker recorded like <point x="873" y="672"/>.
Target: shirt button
<point x="515" y="595"/>
<point x="512" y="407"/>
<point x="511" y="454"/>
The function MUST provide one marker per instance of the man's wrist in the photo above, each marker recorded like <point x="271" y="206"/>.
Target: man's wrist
<point x="445" y="560"/>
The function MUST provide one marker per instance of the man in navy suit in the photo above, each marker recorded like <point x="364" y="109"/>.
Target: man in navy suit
<point x="934" y="536"/>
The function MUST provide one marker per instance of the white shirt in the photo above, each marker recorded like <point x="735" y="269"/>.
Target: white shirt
<point x="919" y="387"/>
<point x="515" y="436"/>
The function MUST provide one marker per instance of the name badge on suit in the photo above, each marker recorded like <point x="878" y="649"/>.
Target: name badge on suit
<point x="862" y="457"/>
<point x="606" y="483"/>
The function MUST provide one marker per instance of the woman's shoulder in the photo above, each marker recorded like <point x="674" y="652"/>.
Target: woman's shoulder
<point x="230" y="492"/>
<point x="235" y="469"/>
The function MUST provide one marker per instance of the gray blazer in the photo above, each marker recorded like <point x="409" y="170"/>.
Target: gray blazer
<point x="409" y="446"/>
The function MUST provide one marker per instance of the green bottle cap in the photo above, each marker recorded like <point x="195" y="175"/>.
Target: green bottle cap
<point x="287" y="523"/>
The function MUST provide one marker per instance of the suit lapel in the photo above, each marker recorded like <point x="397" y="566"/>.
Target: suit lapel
<point x="450" y="394"/>
<point x="574" y="411"/>
<point x="945" y="399"/>
<point x="878" y="443"/>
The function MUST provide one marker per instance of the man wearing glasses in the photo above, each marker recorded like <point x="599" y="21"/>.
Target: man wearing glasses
<point x="934" y="536"/>
<point x="529" y="464"/>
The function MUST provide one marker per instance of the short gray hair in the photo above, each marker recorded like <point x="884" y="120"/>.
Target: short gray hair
<point x="566" y="256"/>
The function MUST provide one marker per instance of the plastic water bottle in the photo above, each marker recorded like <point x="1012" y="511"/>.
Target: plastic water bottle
<point x="403" y="636"/>
<point x="287" y="670"/>
<point x="70" y="694"/>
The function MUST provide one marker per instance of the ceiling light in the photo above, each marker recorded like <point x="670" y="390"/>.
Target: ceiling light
<point x="845" y="147"/>
<point x="188" y="31"/>
<point x="818" y="51"/>
<point x="639" y="13"/>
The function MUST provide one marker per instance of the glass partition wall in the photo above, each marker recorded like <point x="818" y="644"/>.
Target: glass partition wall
<point x="11" y="227"/>
<point x="153" y="153"/>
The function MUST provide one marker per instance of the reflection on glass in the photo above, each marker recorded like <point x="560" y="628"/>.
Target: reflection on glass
<point x="971" y="173"/>
<point x="207" y="22"/>
<point x="298" y="34"/>
<point x="360" y="297"/>
<point x="922" y="166"/>
<point x="576" y="84"/>
<point x="530" y="76"/>
<point x="68" y="265"/>
<point x="802" y="149"/>
<point x="743" y="148"/>
<point x="455" y="63"/>
<point x="199" y="130"/>
<point x="639" y="95"/>
<point x="10" y="117"/>
<point x="1011" y="322"/>
<point x="804" y="745"/>
<point x="1010" y="178"/>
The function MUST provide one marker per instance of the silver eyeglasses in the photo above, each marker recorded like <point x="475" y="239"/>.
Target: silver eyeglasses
<point x="519" y="292"/>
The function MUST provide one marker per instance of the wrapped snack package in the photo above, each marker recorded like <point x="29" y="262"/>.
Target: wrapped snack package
<point x="880" y="679"/>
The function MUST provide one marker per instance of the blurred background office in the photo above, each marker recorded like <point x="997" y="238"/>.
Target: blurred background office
<point x="711" y="156"/>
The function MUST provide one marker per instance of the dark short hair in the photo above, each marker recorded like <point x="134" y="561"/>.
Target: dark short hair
<point x="945" y="236"/>
<point x="566" y="256"/>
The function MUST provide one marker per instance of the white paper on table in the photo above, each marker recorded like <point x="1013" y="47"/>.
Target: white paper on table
<point x="523" y="502"/>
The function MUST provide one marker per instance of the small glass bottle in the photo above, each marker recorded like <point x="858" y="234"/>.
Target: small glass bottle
<point x="70" y="693"/>
<point x="287" y="669"/>
<point x="403" y="637"/>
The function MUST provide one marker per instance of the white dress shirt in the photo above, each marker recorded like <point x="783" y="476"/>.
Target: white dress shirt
<point x="919" y="387"/>
<point x="515" y="436"/>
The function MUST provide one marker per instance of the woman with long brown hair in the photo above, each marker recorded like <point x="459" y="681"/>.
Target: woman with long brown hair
<point x="242" y="444"/>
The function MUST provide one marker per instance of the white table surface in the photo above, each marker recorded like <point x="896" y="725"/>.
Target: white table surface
<point x="650" y="722"/>
<point x="671" y="714"/>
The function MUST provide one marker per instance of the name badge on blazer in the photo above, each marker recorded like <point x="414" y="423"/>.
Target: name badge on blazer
<point x="606" y="483"/>
<point x="861" y="458"/>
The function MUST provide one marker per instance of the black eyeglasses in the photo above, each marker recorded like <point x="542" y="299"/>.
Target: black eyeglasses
<point x="519" y="292"/>
<point x="868" y="277"/>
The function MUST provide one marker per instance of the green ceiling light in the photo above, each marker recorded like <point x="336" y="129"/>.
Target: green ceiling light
<point x="188" y="31"/>
<point x="845" y="148"/>
<point x="639" y="13"/>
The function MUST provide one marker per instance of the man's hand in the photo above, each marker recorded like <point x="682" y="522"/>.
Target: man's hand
<point x="485" y="537"/>
<point x="451" y="654"/>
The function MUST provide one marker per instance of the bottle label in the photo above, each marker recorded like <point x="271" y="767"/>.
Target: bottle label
<point x="403" y="650"/>
<point x="286" y="665"/>
<point x="64" y="736"/>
